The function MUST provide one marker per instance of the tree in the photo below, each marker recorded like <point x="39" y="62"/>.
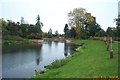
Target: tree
<point x="56" y="33"/>
<point x="32" y="29"/>
<point x="118" y="31"/>
<point x="76" y="18"/>
<point x="91" y="25"/>
<point x="85" y="24"/>
<point x="22" y="20"/>
<point x="24" y="30"/>
<point x="109" y="31"/>
<point x="117" y="21"/>
<point x="72" y="32"/>
<point x="90" y="19"/>
<point x="3" y="25"/>
<point x="66" y="29"/>
<point x="101" y="33"/>
<point x="118" y="27"/>
<point x="50" y="33"/>
<point x="12" y="28"/>
<point x="93" y="29"/>
<point x="38" y="24"/>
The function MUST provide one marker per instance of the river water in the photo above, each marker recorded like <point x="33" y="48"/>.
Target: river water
<point x="20" y="61"/>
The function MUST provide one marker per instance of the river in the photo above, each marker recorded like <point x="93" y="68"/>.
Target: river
<point x="20" y="61"/>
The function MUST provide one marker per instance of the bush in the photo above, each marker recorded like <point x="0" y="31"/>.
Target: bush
<point x="31" y="36"/>
<point x="38" y="36"/>
<point x="57" y="64"/>
<point x="116" y="38"/>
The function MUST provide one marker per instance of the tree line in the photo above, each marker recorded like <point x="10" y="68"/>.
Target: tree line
<point x="24" y="30"/>
<point x="83" y="26"/>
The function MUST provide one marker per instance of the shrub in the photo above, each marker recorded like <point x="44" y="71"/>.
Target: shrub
<point x="116" y="38"/>
<point x="38" y="36"/>
<point x="31" y="36"/>
<point x="57" y="64"/>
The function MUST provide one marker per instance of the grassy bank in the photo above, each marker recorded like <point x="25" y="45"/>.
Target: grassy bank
<point x="92" y="60"/>
<point x="15" y="42"/>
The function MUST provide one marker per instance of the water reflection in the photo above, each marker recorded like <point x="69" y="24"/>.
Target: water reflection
<point x="38" y="54"/>
<point x="50" y="43"/>
<point x="69" y="48"/>
<point x="21" y="61"/>
<point x="56" y="43"/>
<point x="66" y="49"/>
<point x="15" y="56"/>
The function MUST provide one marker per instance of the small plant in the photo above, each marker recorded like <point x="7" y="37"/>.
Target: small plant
<point x="57" y="64"/>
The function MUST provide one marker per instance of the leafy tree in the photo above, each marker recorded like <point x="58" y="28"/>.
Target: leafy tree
<point x="117" y="21"/>
<point x="56" y="33"/>
<point x="84" y="23"/>
<point x="101" y="33"/>
<point x="12" y="27"/>
<point x="114" y="31"/>
<point x="38" y="24"/>
<point x="90" y="19"/>
<point x="118" y="31"/>
<point x="109" y="31"/>
<point x="84" y="34"/>
<point x="76" y="18"/>
<point x="24" y="30"/>
<point x="72" y="32"/>
<point x="3" y="24"/>
<point x="22" y="20"/>
<point x="93" y="29"/>
<point x="50" y="33"/>
<point x="32" y="29"/>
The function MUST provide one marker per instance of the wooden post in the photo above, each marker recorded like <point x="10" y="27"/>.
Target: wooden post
<point x="108" y="43"/>
<point x="111" y="50"/>
<point x="111" y="54"/>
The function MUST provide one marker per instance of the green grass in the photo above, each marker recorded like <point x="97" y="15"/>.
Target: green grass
<point x="91" y="60"/>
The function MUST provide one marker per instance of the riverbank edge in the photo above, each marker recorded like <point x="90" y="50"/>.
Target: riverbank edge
<point x="20" y="42"/>
<point x="66" y="60"/>
<point x="33" y="41"/>
<point x="111" y="62"/>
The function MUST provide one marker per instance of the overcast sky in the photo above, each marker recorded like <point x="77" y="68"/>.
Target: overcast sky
<point x="53" y="13"/>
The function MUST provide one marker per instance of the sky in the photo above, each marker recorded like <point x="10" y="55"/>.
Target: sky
<point x="53" y="13"/>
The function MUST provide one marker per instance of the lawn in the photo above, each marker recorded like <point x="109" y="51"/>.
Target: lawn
<point x="90" y="61"/>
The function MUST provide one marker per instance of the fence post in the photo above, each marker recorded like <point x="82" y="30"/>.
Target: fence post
<point x="111" y="50"/>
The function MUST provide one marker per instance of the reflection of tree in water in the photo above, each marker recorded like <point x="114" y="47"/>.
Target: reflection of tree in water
<point x="66" y="49"/>
<point x="69" y="48"/>
<point x="38" y="54"/>
<point x="56" y="43"/>
<point x="50" y="43"/>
